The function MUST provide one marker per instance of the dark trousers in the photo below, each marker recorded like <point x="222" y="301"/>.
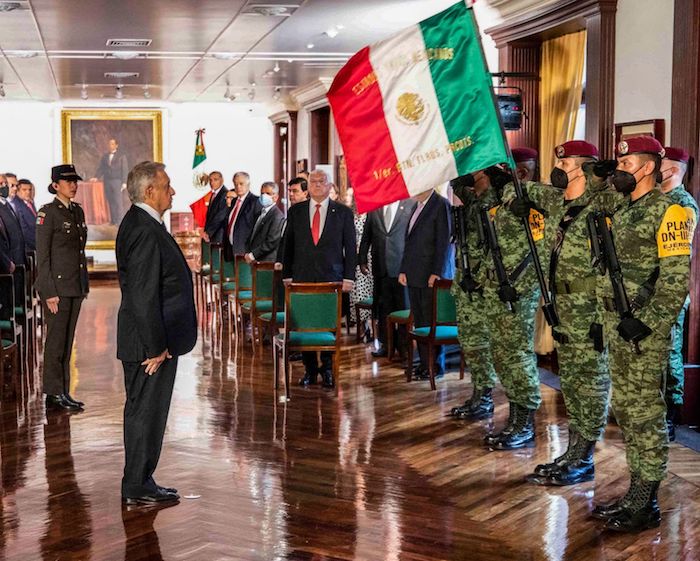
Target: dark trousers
<point x="145" y="416"/>
<point x="113" y="192"/>
<point x="421" y="300"/>
<point x="389" y="297"/>
<point x="60" y="331"/>
<point x="311" y="362"/>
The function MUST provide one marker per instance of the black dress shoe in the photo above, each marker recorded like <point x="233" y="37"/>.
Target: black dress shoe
<point x="68" y="397"/>
<point x="419" y="373"/>
<point x="170" y="490"/>
<point x="158" y="496"/>
<point x="59" y="402"/>
<point x="328" y="381"/>
<point x="308" y="379"/>
<point x="381" y="352"/>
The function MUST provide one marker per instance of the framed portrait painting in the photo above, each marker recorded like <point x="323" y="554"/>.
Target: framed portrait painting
<point x="103" y="145"/>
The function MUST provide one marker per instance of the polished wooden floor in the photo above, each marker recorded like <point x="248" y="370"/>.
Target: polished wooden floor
<point x="372" y="471"/>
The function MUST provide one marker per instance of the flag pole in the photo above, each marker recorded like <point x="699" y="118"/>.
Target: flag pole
<point x="548" y="308"/>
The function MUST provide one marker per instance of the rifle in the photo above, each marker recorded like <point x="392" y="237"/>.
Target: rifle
<point x="506" y="290"/>
<point x="467" y="284"/>
<point x="604" y="258"/>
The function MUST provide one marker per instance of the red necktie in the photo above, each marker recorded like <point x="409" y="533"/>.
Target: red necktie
<point x="316" y="224"/>
<point x="233" y="218"/>
<point x="30" y="207"/>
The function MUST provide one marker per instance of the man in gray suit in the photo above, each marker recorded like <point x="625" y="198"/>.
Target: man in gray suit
<point x="385" y="232"/>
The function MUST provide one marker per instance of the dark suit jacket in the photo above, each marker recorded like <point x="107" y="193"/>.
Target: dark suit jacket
<point x="5" y="256"/>
<point x="14" y="234"/>
<point x="157" y="310"/>
<point x="387" y="247"/>
<point x="217" y="212"/>
<point x="266" y="235"/>
<point x="115" y="173"/>
<point x="27" y="220"/>
<point x="247" y="215"/>
<point x="335" y="256"/>
<point x="427" y="250"/>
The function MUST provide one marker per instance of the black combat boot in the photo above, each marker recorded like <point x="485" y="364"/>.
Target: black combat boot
<point x="543" y="471"/>
<point x="523" y="433"/>
<point x="671" y="420"/>
<point x="579" y="468"/>
<point x="611" y="510"/>
<point x="479" y="406"/>
<point x="641" y="510"/>
<point x="490" y="439"/>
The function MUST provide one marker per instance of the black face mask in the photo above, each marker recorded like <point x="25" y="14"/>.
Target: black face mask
<point x="5" y="191"/>
<point x="559" y="178"/>
<point x="624" y="182"/>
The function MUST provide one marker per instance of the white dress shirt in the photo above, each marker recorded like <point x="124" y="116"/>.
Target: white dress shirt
<point x="152" y="212"/>
<point x="394" y="209"/>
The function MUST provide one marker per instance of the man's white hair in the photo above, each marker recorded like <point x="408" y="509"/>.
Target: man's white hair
<point x="140" y="177"/>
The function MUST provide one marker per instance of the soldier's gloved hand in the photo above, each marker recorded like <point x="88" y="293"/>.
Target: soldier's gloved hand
<point x="498" y="177"/>
<point x="604" y="168"/>
<point x="633" y="330"/>
<point x="520" y="206"/>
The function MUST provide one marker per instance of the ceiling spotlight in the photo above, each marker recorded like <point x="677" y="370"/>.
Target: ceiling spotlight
<point x="340" y="26"/>
<point x="252" y="83"/>
<point x="125" y="55"/>
<point x="2" y="90"/>
<point x="277" y="67"/>
<point x="83" y="92"/>
<point x="146" y="92"/>
<point x="276" y="96"/>
<point x="119" y="94"/>
<point x="251" y="95"/>
<point x="310" y="46"/>
<point x="332" y="32"/>
<point x="290" y="60"/>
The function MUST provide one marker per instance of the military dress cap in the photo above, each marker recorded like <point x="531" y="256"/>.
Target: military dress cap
<point x="677" y="154"/>
<point x="576" y="149"/>
<point x="524" y="154"/>
<point x="640" y="145"/>
<point x="64" y="171"/>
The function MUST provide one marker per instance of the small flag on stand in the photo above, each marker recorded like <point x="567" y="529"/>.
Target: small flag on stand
<point x="417" y="110"/>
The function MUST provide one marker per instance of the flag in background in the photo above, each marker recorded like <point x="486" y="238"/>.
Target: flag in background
<point x="200" y="154"/>
<point x="199" y="209"/>
<point x="417" y="110"/>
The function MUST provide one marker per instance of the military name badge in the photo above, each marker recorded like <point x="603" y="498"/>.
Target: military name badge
<point x="40" y="216"/>
<point x="536" y="220"/>
<point x="675" y="233"/>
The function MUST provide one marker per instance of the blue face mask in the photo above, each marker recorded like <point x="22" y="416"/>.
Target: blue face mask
<point x="266" y="200"/>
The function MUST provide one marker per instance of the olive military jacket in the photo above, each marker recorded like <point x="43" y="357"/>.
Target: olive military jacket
<point x="61" y="234"/>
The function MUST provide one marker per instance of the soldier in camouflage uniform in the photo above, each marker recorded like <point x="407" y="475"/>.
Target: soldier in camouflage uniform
<point x="673" y="169"/>
<point x="512" y="326"/>
<point x="474" y="191"/>
<point x="652" y="238"/>
<point x="583" y="364"/>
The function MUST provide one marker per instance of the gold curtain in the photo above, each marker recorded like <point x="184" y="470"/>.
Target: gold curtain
<point x="561" y="88"/>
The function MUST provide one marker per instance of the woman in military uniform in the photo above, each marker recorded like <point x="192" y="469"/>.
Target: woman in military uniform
<point x="62" y="281"/>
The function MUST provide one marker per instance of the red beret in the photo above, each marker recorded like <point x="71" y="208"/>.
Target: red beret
<point x="676" y="154"/>
<point x="576" y="149"/>
<point x="640" y="145"/>
<point x="524" y="154"/>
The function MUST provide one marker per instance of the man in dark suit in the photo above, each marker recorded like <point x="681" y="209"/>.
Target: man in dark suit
<point x="26" y="212"/>
<point x="12" y="227"/>
<point x="427" y="257"/>
<point x="6" y="263"/>
<point x="320" y="246"/>
<point x="157" y="323"/>
<point x="265" y="238"/>
<point x="217" y="211"/>
<point x="241" y="218"/>
<point x="113" y="170"/>
<point x="385" y="232"/>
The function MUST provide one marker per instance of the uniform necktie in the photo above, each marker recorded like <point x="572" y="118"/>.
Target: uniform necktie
<point x="387" y="217"/>
<point x="31" y="207"/>
<point x="316" y="224"/>
<point x="232" y="219"/>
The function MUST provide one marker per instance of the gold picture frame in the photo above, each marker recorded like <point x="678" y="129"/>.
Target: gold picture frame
<point x="83" y="150"/>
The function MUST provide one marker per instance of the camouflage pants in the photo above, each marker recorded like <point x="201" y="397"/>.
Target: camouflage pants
<point x="638" y="401"/>
<point x="675" y="378"/>
<point x="513" y="344"/>
<point x="474" y="337"/>
<point x="584" y="374"/>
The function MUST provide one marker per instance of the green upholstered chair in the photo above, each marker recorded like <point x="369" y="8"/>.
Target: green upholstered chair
<point x="262" y="288"/>
<point x="394" y="319"/>
<point x="312" y="322"/>
<point x="272" y="320"/>
<point x="368" y="305"/>
<point x="203" y="271"/>
<point x="225" y="286"/>
<point x="11" y="333"/>
<point x="242" y="292"/>
<point x="442" y="330"/>
<point x="213" y="276"/>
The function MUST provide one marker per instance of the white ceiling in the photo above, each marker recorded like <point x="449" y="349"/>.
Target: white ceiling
<point x="199" y="49"/>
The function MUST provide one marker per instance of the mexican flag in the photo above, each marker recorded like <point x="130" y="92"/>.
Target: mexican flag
<point x="199" y="209"/>
<point x="417" y="110"/>
<point x="200" y="154"/>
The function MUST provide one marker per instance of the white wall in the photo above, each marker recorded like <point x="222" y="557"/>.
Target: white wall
<point x="238" y="137"/>
<point x="644" y="61"/>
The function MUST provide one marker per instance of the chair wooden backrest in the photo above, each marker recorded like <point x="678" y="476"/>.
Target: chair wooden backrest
<point x="244" y="275"/>
<point x="444" y="306"/>
<point x="228" y="269"/>
<point x="205" y="255"/>
<point x="313" y="307"/>
<point x="7" y="302"/>
<point x="215" y="258"/>
<point x="262" y="273"/>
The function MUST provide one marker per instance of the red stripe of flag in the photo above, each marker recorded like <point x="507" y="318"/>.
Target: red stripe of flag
<point x="364" y="134"/>
<point x="199" y="209"/>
